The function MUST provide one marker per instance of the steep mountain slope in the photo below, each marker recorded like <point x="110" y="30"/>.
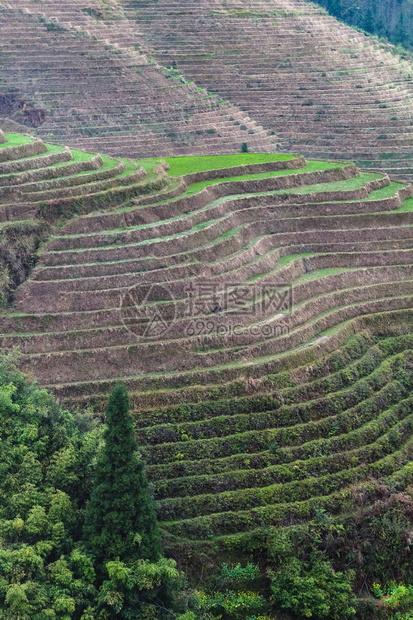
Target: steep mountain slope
<point x="325" y="89"/>
<point x="76" y="86"/>
<point x="258" y="309"/>
<point x="320" y="87"/>
<point x="103" y="19"/>
<point x="258" y="306"/>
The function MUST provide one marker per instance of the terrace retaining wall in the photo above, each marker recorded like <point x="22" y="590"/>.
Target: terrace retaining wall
<point x="9" y="153"/>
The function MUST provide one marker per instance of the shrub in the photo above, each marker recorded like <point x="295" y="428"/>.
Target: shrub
<point x="395" y="596"/>
<point x="310" y="589"/>
<point x="233" y="596"/>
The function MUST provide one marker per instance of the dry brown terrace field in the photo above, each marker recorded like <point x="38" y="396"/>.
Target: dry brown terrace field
<point x="325" y="89"/>
<point x="96" y="90"/>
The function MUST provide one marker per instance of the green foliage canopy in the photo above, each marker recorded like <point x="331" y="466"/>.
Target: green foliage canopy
<point x="310" y="589"/>
<point x="47" y="471"/>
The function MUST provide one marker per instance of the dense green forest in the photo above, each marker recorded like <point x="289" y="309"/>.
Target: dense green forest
<point x="79" y="537"/>
<point x="57" y="557"/>
<point x="392" y="19"/>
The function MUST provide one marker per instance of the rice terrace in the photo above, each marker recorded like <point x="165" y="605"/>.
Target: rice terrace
<point x="206" y="289"/>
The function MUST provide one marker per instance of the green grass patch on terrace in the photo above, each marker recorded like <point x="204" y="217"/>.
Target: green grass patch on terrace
<point x="51" y="150"/>
<point x="335" y="329"/>
<point x="407" y="205"/>
<point x="311" y="166"/>
<point x="337" y="186"/>
<point x="148" y="164"/>
<point x="180" y="166"/>
<point x="78" y="155"/>
<point x="130" y="167"/>
<point x="386" y="192"/>
<point x="108" y="164"/>
<point x="285" y="260"/>
<point x="322" y="273"/>
<point x="16" y="139"/>
<point x="54" y="148"/>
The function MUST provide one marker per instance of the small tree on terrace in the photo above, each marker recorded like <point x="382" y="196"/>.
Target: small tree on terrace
<point x="120" y="521"/>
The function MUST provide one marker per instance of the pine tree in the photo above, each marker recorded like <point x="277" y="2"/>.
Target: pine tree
<point x="120" y="521"/>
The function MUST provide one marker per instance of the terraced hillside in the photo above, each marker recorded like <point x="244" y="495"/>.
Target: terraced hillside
<point x="259" y="309"/>
<point x="39" y="180"/>
<point x="323" y="88"/>
<point x="294" y="77"/>
<point x="103" y="19"/>
<point x="94" y="90"/>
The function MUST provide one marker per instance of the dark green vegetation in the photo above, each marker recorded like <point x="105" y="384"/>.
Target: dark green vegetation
<point x="392" y="19"/>
<point x="179" y="166"/>
<point x="120" y="519"/>
<point x="48" y="473"/>
<point x="18" y="244"/>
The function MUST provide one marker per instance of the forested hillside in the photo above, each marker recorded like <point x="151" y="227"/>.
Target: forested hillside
<point x="54" y="470"/>
<point x="392" y="19"/>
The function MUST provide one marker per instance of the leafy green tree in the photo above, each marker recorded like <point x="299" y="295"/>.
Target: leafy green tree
<point x="42" y="573"/>
<point x="309" y="588"/>
<point x="47" y="465"/>
<point x="138" y="590"/>
<point x="395" y="596"/>
<point x="120" y="518"/>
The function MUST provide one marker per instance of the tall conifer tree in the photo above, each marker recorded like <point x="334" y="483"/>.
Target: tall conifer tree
<point x="120" y="518"/>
